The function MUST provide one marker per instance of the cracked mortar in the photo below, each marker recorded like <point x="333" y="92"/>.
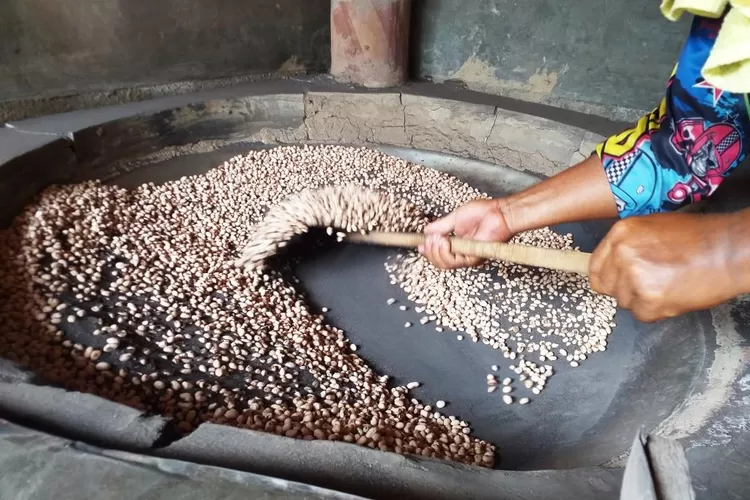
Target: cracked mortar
<point x="469" y="130"/>
<point x="485" y="132"/>
<point x="478" y="131"/>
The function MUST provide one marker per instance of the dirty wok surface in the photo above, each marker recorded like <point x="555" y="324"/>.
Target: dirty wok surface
<point x="586" y="415"/>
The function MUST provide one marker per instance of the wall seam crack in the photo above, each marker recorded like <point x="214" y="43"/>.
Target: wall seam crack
<point x="304" y="116"/>
<point x="403" y="112"/>
<point x="492" y="127"/>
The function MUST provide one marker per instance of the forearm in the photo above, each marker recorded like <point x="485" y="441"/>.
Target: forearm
<point x="738" y="254"/>
<point x="668" y="264"/>
<point x="579" y="193"/>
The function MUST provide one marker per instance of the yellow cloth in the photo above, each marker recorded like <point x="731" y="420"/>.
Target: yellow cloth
<point x="673" y="9"/>
<point x="728" y="64"/>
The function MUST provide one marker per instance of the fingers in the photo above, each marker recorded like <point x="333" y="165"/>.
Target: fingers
<point x="611" y="272"/>
<point x="438" y="251"/>
<point x="475" y="220"/>
<point x="602" y="271"/>
<point x="608" y="277"/>
<point x="444" y="225"/>
<point x="437" y="247"/>
<point x="646" y="313"/>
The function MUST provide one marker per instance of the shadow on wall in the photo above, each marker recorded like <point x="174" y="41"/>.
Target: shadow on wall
<point x="59" y="47"/>
<point x="610" y="59"/>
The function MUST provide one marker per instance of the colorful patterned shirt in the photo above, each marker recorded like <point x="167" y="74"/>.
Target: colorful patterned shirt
<point x="683" y="150"/>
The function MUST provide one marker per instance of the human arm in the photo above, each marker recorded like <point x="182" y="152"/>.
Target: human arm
<point x="677" y="154"/>
<point x="668" y="264"/>
<point x="578" y="193"/>
<point x="658" y="266"/>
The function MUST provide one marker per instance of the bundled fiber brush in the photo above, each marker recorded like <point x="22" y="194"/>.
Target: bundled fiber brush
<point x="346" y="208"/>
<point x="378" y="218"/>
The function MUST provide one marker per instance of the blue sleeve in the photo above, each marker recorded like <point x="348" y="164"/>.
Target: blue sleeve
<point x="683" y="150"/>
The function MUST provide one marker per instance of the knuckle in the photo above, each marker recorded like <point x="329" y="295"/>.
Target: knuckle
<point x="623" y="250"/>
<point x="652" y="296"/>
<point x="652" y="293"/>
<point x="598" y="276"/>
<point x="596" y="282"/>
<point x="626" y="302"/>
<point x="595" y="266"/>
<point x="647" y="315"/>
<point x="668" y="313"/>
<point x="621" y="228"/>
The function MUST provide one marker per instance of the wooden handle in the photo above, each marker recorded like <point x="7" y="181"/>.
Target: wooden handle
<point x="561" y="260"/>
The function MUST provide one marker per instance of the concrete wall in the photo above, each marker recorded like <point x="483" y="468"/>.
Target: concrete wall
<point x="606" y="57"/>
<point x="54" y="47"/>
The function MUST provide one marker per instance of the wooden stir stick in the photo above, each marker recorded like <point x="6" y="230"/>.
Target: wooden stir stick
<point x="561" y="260"/>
